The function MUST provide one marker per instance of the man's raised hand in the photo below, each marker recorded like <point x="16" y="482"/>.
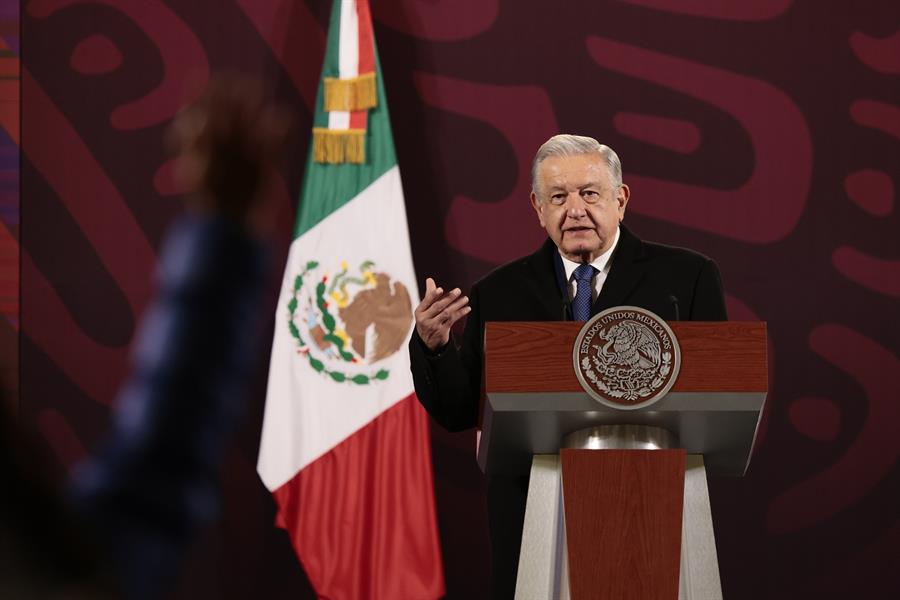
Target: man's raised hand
<point x="437" y="312"/>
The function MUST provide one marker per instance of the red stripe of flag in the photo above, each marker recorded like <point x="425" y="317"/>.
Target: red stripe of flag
<point x="367" y="502"/>
<point x="366" y="45"/>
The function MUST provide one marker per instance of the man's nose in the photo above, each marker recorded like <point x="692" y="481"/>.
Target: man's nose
<point x="575" y="206"/>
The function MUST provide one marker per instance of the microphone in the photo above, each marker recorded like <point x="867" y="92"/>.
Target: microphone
<point x="674" y="300"/>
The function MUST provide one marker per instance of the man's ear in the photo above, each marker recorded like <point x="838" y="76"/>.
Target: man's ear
<point x="622" y="197"/>
<point x="536" y="205"/>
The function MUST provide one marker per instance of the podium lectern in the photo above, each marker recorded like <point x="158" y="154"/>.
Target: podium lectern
<point x="618" y="505"/>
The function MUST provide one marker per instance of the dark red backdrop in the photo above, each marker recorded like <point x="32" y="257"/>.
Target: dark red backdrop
<point x="765" y="134"/>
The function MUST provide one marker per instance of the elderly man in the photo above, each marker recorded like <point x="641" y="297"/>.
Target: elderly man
<point x="590" y="262"/>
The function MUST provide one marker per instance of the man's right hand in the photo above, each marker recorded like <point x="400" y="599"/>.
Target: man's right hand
<point x="436" y="314"/>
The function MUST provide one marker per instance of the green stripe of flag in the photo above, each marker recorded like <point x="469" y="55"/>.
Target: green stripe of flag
<point x="330" y="66"/>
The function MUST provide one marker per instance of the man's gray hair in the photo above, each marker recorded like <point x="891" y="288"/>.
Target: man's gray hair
<point x="566" y="144"/>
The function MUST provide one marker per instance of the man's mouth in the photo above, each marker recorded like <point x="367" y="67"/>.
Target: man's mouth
<point x="577" y="229"/>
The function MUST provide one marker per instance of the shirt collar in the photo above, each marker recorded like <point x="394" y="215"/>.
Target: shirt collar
<point x="602" y="263"/>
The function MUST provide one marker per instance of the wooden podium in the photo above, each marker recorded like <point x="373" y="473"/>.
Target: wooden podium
<point x="618" y="505"/>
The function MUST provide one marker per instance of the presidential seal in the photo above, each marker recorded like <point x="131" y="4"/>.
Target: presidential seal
<point x="344" y="322"/>
<point x="626" y="357"/>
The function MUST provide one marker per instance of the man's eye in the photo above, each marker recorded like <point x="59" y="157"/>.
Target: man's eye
<point x="557" y="198"/>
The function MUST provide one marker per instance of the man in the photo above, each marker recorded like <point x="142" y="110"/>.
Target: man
<point x="590" y="262"/>
<point x="154" y="483"/>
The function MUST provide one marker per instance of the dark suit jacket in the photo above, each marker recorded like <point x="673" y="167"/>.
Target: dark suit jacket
<point x="663" y="279"/>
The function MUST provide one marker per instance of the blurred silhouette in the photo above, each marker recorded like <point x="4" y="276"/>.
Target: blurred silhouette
<point x="135" y="505"/>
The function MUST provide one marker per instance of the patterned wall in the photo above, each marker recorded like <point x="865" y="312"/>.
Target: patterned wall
<point x="765" y="134"/>
<point x="9" y="202"/>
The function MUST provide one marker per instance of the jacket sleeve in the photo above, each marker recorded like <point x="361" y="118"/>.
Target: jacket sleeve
<point x="448" y="383"/>
<point x="708" y="303"/>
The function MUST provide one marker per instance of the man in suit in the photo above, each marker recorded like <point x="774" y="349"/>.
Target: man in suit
<point x="590" y="262"/>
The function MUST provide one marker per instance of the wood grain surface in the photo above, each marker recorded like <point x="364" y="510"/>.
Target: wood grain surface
<point x="537" y="356"/>
<point x="623" y="522"/>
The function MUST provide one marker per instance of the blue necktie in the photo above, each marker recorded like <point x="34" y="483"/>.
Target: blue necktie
<point x="581" y="304"/>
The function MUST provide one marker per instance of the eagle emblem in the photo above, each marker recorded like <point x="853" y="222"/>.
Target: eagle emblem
<point x="345" y="322"/>
<point x="626" y="357"/>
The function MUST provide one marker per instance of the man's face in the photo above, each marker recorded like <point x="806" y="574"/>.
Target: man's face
<point x="578" y="205"/>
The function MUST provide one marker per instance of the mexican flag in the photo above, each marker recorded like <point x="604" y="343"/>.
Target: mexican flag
<point x="345" y="448"/>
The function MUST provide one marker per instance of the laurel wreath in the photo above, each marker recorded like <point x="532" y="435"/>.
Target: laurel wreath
<point x="330" y="323"/>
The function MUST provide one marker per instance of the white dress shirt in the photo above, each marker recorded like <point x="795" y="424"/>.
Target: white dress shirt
<point x="602" y="263"/>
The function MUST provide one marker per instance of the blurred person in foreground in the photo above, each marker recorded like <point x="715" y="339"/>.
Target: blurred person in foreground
<point x="156" y="477"/>
<point x="139" y="500"/>
<point x="589" y="262"/>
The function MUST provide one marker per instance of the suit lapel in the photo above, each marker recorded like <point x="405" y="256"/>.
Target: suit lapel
<point x="546" y="277"/>
<point x="624" y="274"/>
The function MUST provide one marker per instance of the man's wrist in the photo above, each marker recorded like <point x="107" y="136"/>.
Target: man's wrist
<point x="428" y="351"/>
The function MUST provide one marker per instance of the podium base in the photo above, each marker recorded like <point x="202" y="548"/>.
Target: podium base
<point x="543" y="561"/>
